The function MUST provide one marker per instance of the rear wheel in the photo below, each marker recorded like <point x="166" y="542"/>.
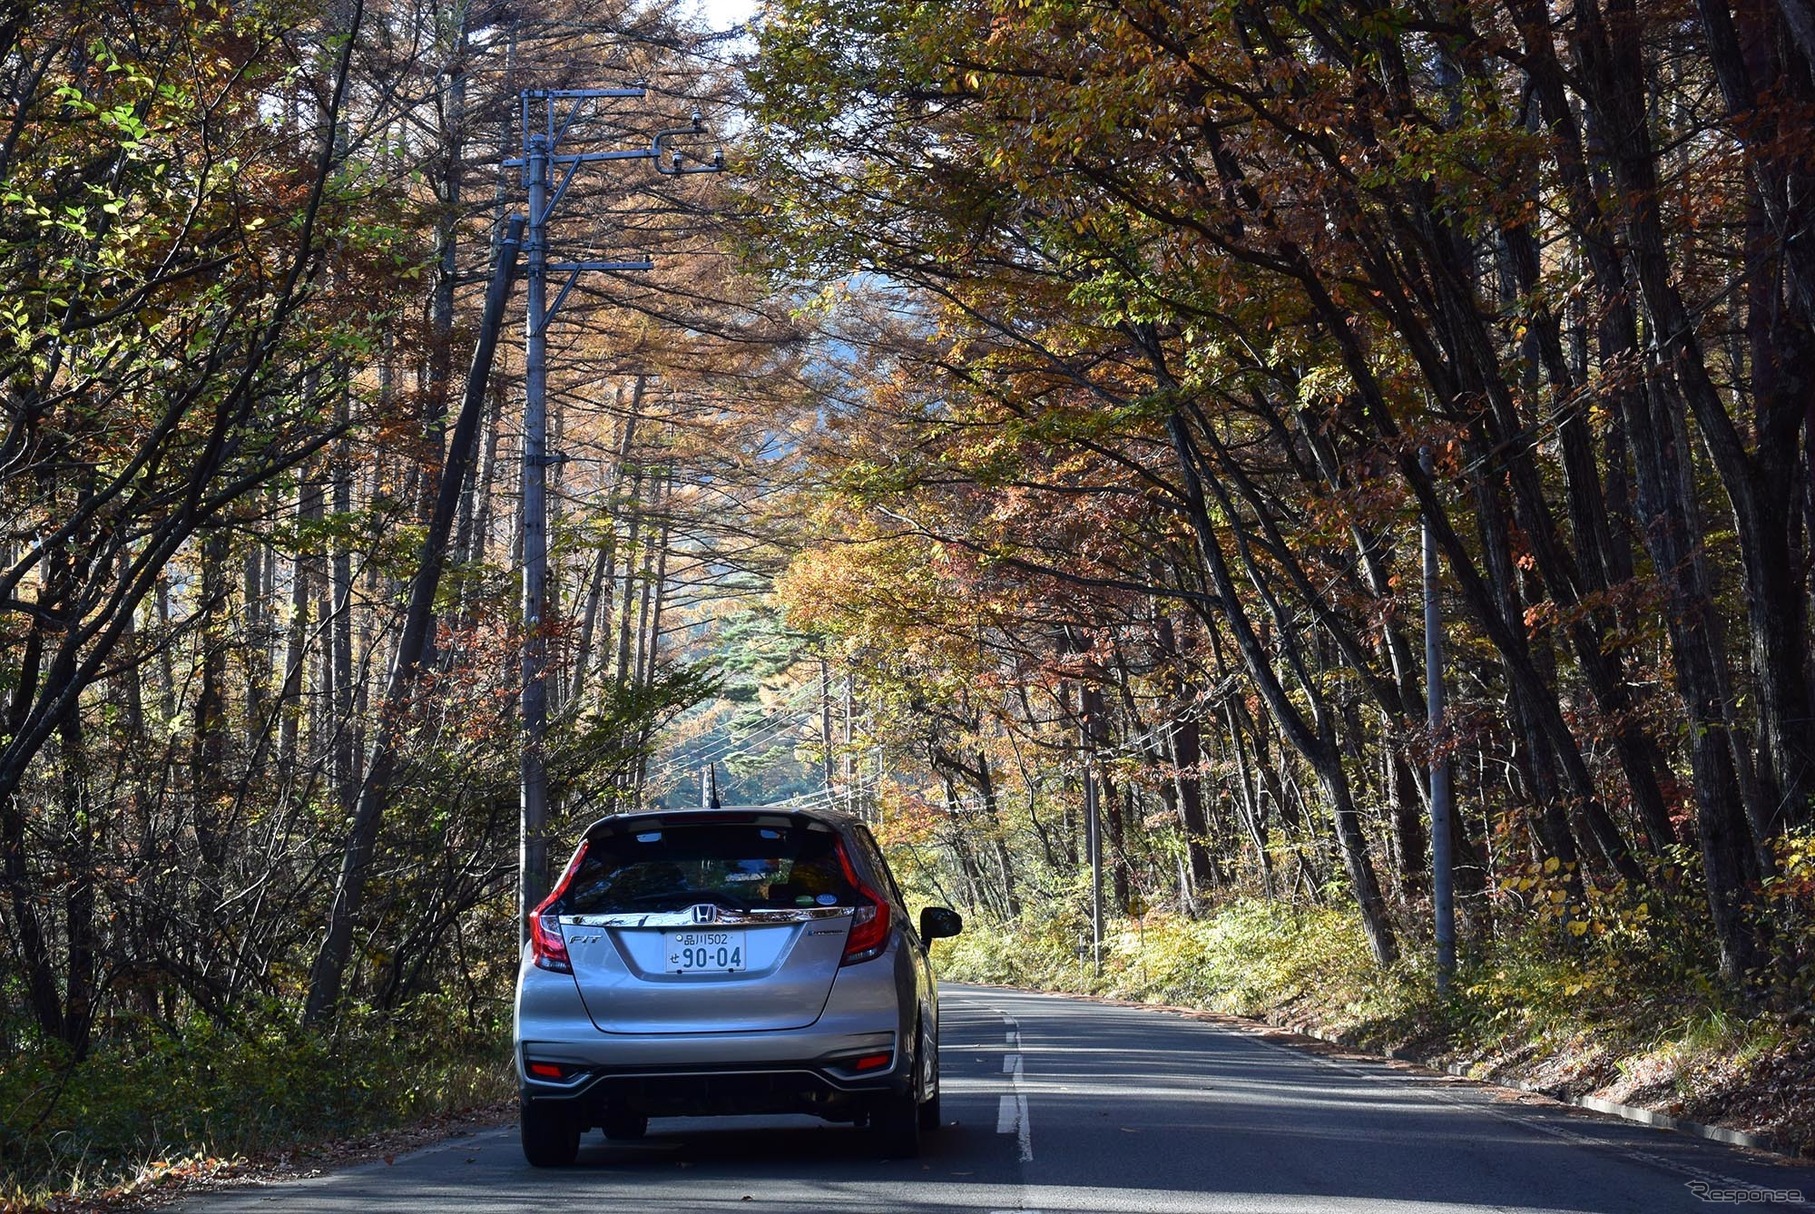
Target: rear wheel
<point x="895" y="1124"/>
<point x="895" y="1118"/>
<point x="551" y="1133"/>
<point x="929" y="1109"/>
<point x="625" y="1127"/>
<point x="928" y="1114"/>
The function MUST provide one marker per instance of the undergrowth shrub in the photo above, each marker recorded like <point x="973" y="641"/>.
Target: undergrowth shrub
<point x="1248" y="957"/>
<point x="1787" y="906"/>
<point x="153" y="1091"/>
<point x="1623" y="982"/>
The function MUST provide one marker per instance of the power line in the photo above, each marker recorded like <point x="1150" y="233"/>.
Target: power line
<point x="789" y="714"/>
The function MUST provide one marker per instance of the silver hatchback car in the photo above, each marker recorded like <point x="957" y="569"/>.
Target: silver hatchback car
<point x="722" y="961"/>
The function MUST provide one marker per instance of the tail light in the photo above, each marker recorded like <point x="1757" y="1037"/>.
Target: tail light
<point x="870" y="929"/>
<point x="547" y="946"/>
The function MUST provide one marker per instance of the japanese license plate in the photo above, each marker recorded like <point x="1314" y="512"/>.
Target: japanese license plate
<point x="693" y="951"/>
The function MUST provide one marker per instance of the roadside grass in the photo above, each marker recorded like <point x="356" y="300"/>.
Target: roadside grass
<point x="1620" y="1014"/>
<point x="155" y="1101"/>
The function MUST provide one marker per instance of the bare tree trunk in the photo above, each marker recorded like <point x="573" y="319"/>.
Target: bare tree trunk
<point x="1251" y="805"/>
<point x="208" y="775"/>
<point x="340" y="630"/>
<point x="1312" y="739"/>
<point x="326" y="975"/>
<point x="633" y="557"/>
<point x="27" y="921"/>
<point x="302" y="595"/>
<point x="79" y="903"/>
<point x="604" y="567"/>
<point x="651" y="650"/>
<point x="1184" y="743"/>
<point x="655" y="560"/>
<point x="255" y="645"/>
<point x="1729" y="822"/>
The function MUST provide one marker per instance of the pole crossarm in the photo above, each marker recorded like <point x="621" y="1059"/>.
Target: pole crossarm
<point x="629" y="90"/>
<point x="551" y="137"/>
<point x="642" y="263"/>
<point x="573" y="269"/>
<point x="574" y="160"/>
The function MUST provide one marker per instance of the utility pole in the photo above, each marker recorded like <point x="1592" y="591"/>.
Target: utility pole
<point x="548" y="116"/>
<point x="1443" y="890"/>
<point x="1093" y="848"/>
<point x="1091" y="701"/>
<point x="1090" y="715"/>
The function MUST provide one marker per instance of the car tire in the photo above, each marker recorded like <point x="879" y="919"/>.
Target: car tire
<point x="895" y="1123"/>
<point x="550" y="1131"/>
<point x="929" y="1108"/>
<point x="895" y="1120"/>
<point x="928" y="1114"/>
<point x="625" y="1127"/>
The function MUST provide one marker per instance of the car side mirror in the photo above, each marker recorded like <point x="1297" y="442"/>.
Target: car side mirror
<point x="937" y="922"/>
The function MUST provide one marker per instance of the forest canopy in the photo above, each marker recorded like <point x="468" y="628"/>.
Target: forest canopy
<point x="1041" y="421"/>
<point x="1181" y="323"/>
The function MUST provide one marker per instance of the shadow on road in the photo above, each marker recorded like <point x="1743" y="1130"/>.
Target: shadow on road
<point x="801" y="1149"/>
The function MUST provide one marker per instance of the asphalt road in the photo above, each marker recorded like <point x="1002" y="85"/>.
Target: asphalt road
<point x="1061" y="1105"/>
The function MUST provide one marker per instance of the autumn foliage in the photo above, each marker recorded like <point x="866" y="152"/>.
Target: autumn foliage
<point x="1180" y="323"/>
<point x="245" y="248"/>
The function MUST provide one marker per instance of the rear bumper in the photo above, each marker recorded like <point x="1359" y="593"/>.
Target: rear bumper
<point x="815" y="1046"/>
<point x="812" y="1069"/>
<point x="821" y="1090"/>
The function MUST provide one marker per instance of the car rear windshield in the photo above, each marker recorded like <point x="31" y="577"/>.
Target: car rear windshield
<point x="739" y="866"/>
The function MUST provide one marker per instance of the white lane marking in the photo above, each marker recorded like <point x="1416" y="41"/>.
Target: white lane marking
<point x="1011" y="1118"/>
<point x="1011" y="1112"/>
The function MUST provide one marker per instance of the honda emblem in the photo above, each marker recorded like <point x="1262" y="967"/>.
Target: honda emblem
<point x="705" y="912"/>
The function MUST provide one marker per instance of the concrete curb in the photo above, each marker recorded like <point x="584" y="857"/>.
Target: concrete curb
<point x="1626" y="1112"/>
